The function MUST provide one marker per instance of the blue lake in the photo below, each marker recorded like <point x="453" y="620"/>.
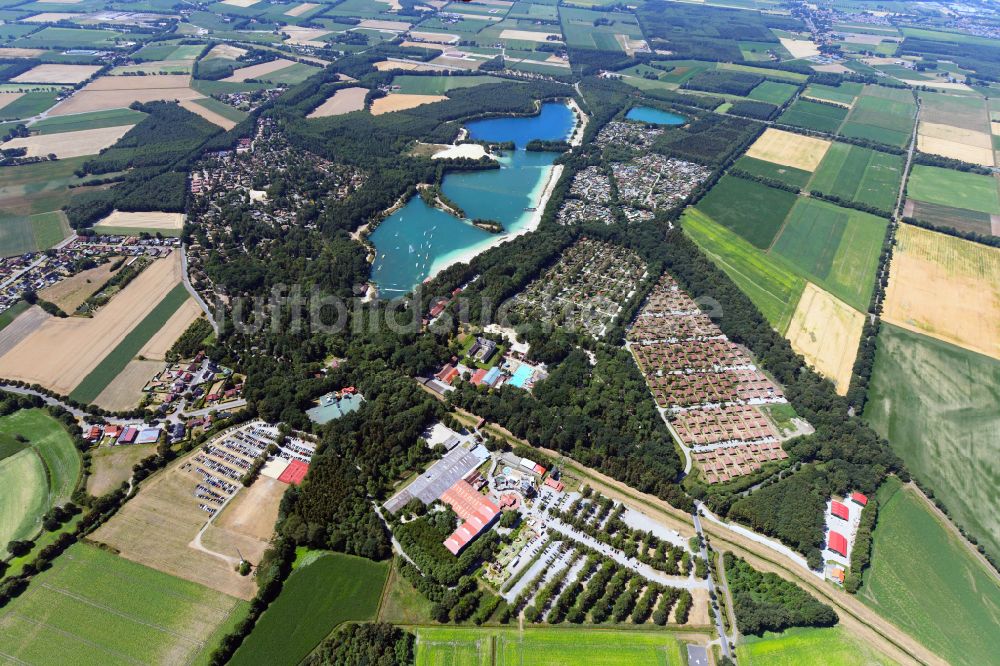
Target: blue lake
<point x="646" y="114"/>
<point x="418" y="241"/>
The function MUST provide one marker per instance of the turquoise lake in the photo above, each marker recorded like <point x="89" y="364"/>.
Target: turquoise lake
<point x="418" y="241"/>
<point x="646" y="114"/>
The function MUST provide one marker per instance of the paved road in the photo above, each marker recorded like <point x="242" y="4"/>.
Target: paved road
<point x="194" y="293"/>
<point x="719" y="628"/>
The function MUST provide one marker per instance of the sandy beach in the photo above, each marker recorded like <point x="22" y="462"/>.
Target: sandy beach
<point x="577" y="135"/>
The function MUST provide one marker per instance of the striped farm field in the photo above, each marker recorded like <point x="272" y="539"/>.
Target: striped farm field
<point x="814" y="116"/>
<point x="752" y="210"/>
<point x="786" y="174"/>
<point x="844" y="94"/>
<point x="833" y="646"/>
<point x="112" y="364"/>
<point x="882" y="114"/>
<point x="773" y="92"/>
<point x="144" y="616"/>
<point x="861" y="175"/>
<point x="36" y="474"/>
<point x="957" y="189"/>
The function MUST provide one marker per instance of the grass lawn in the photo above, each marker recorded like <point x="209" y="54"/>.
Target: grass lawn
<point x="831" y="647"/>
<point x="837" y="248"/>
<point x="438" y="85"/>
<point x="752" y="210"/>
<point x="957" y="189"/>
<point x="453" y="646"/>
<point x="118" y="358"/>
<point x="92" y="120"/>
<point x="403" y="604"/>
<point x="939" y="407"/>
<point x="34" y="475"/>
<point x="773" y="92"/>
<point x="812" y="115"/>
<point x="927" y="582"/>
<point x="772" y="285"/>
<point x="127" y="613"/>
<point x="318" y="596"/>
<point x="859" y="174"/>
<point x="11" y="313"/>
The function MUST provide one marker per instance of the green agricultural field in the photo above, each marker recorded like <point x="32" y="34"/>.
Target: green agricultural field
<point x="882" y="114"/>
<point x="837" y="248"/>
<point x="438" y="85"/>
<point x="318" y="596"/>
<point x="40" y="187"/>
<point x="28" y="105"/>
<point x="859" y="174"/>
<point x="772" y="285"/>
<point x="939" y="407"/>
<point x="85" y="121"/>
<point x="402" y="603"/>
<point x="955" y="218"/>
<point x="831" y="647"/>
<point x="580" y="32"/>
<point x="95" y="608"/>
<point x="35" y="475"/>
<point x="292" y="74"/>
<point x="453" y="646"/>
<point x="957" y="189"/>
<point x="48" y="229"/>
<point x="786" y="174"/>
<point x="813" y="115"/>
<point x="773" y="92"/>
<point x="926" y="581"/>
<point x="845" y="93"/>
<point x="118" y="358"/>
<point x="754" y="211"/>
<point x="70" y="38"/>
<point x="16" y="235"/>
<point x="794" y="77"/>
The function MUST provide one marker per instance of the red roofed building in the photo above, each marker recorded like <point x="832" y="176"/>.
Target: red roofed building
<point x="838" y="574"/>
<point x="294" y="473"/>
<point x="475" y="509"/>
<point x="539" y="469"/>
<point x="555" y="485"/>
<point x="839" y="510"/>
<point x="837" y="543"/>
<point x="447" y="374"/>
<point x="858" y="498"/>
<point x="477" y="376"/>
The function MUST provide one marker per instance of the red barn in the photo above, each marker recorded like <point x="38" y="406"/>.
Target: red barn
<point x="294" y="473"/>
<point x="837" y="543"/>
<point x="839" y="510"/>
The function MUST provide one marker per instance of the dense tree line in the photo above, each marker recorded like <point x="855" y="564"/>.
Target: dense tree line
<point x="861" y="553"/>
<point x="375" y="644"/>
<point x="767" y="602"/>
<point x="724" y="82"/>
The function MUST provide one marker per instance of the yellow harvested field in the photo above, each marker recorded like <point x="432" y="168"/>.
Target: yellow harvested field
<point x="161" y="342"/>
<point x="70" y="293"/>
<point x="343" y="101"/>
<point x="8" y="97"/>
<point x="799" y="48"/>
<point x="254" y="511"/>
<point x="57" y="74"/>
<point x="387" y="65"/>
<point x="301" y="9"/>
<point x="70" y="144"/>
<point x="433" y="37"/>
<point x="125" y="390"/>
<point x="994" y="127"/>
<point x="793" y="150"/>
<point x="946" y="288"/>
<point x="257" y="71"/>
<point x="827" y="332"/>
<point x="61" y="352"/>
<point x="305" y="36"/>
<point x="158" y="527"/>
<point x="17" y="52"/>
<point x="240" y="3"/>
<point x="397" y="102"/>
<point x="52" y="17"/>
<point x="392" y="26"/>
<point x="208" y="114"/>
<point x="147" y="220"/>
<point x="225" y="51"/>
<point x="118" y="92"/>
<point x="530" y="36"/>
<point x="955" y="142"/>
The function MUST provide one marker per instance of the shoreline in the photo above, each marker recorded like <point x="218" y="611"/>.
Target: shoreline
<point x="578" y="131"/>
<point x="467" y="255"/>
